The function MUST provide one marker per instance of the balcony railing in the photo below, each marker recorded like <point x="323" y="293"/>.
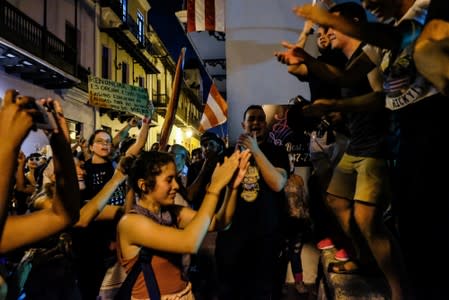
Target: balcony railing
<point x="160" y="101"/>
<point x="83" y="75"/>
<point x="26" y="33"/>
<point x="187" y="117"/>
<point x="148" y="46"/>
<point x="132" y="26"/>
<point x="115" y="6"/>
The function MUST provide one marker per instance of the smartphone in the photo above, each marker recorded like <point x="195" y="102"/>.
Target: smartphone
<point x="45" y="118"/>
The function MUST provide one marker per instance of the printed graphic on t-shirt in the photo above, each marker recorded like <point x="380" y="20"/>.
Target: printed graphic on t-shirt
<point x="98" y="178"/>
<point x="250" y="184"/>
<point x="403" y="85"/>
<point x="118" y="197"/>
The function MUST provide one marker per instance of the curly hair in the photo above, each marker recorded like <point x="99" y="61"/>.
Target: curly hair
<point x="148" y="165"/>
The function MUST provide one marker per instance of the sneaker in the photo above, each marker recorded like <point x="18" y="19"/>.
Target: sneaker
<point x="325" y="244"/>
<point x="341" y="255"/>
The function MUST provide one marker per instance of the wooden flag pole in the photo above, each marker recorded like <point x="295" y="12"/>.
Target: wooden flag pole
<point x="173" y="103"/>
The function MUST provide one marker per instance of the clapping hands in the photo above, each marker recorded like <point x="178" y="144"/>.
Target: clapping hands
<point x="225" y="172"/>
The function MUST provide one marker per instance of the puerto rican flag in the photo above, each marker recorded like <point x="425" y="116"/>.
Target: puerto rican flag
<point x="206" y="15"/>
<point x="216" y="110"/>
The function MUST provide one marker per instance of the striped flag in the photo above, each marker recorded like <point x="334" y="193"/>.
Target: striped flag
<point x="215" y="112"/>
<point x="205" y="15"/>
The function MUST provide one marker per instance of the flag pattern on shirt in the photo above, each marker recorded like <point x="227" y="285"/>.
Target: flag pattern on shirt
<point x="216" y="110"/>
<point x="205" y="15"/>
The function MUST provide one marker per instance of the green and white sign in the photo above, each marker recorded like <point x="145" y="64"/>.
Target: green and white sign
<point x="107" y="93"/>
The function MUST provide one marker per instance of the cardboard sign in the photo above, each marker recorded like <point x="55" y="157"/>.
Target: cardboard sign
<point x="114" y="95"/>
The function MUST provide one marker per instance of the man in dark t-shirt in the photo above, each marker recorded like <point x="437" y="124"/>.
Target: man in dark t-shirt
<point x="247" y="254"/>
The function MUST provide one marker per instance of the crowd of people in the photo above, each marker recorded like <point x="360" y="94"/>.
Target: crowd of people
<point x="89" y="218"/>
<point x="392" y="98"/>
<point x="223" y="221"/>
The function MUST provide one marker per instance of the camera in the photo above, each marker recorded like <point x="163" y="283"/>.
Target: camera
<point x="45" y="118"/>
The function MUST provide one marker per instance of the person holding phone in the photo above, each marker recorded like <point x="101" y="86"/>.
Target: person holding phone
<point x="18" y="118"/>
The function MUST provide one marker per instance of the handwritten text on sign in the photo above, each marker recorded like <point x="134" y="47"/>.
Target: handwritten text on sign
<point x="118" y="96"/>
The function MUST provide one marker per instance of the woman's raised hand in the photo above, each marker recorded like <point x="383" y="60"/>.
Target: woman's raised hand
<point x="223" y="172"/>
<point x="243" y="167"/>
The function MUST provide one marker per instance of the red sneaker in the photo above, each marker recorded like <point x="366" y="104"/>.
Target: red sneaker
<point x="341" y="255"/>
<point x="325" y="244"/>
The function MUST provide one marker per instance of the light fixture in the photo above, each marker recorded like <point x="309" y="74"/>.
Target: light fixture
<point x="10" y="55"/>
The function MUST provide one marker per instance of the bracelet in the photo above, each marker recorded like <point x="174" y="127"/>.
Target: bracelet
<point x="213" y="193"/>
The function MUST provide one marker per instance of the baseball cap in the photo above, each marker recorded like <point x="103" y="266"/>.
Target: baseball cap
<point x="211" y="136"/>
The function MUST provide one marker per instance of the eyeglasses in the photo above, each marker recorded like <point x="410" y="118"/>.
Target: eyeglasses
<point x="34" y="158"/>
<point x="103" y="142"/>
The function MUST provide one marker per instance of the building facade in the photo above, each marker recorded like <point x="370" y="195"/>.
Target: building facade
<point x="49" y="48"/>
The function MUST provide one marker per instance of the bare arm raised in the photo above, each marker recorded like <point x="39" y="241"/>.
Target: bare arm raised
<point x="369" y="102"/>
<point x="223" y="217"/>
<point x="276" y="178"/>
<point x="302" y="64"/>
<point x="22" y="230"/>
<point x="17" y="121"/>
<point x="137" y="230"/>
<point x="377" y="34"/>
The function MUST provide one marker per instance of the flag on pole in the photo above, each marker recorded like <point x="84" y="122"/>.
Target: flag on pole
<point x="216" y="110"/>
<point x="205" y="15"/>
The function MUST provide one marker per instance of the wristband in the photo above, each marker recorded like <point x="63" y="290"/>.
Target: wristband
<point x="213" y="193"/>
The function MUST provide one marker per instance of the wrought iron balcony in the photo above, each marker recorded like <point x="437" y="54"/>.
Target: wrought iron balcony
<point x="160" y="101"/>
<point x="184" y="117"/>
<point x="26" y="43"/>
<point x="126" y="34"/>
<point x="115" y="6"/>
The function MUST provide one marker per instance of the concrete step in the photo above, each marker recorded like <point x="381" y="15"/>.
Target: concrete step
<point x="349" y="286"/>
